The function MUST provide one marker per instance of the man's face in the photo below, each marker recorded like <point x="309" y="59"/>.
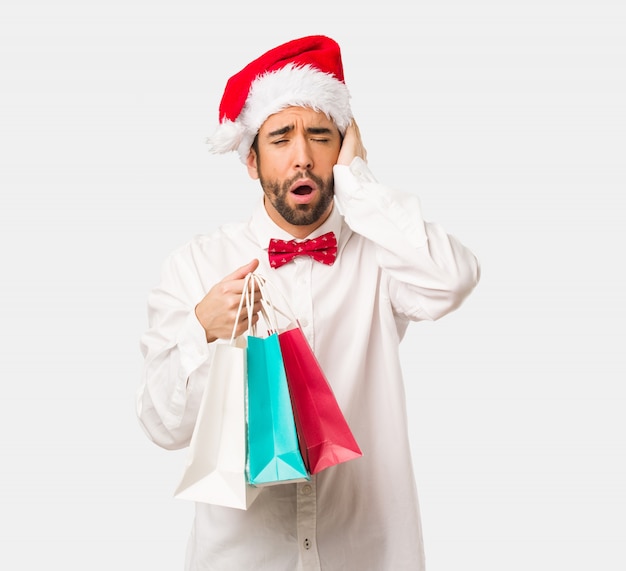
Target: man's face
<point x="296" y="151"/>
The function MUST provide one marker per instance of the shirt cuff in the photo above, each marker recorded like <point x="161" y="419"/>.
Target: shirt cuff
<point x="349" y="179"/>
<point x="193" y="351"/>
<point x="192" y="345"/>
<point x="376" y="211"/>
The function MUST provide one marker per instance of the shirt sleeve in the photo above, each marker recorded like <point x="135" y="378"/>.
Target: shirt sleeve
<point x="176" y="357"/>
<point x="430" y="272"/>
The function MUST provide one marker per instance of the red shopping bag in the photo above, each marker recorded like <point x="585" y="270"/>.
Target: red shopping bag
<point x="324" y="435"/>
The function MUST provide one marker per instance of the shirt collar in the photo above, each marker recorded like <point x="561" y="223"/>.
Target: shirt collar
<point x="265" y="228"/>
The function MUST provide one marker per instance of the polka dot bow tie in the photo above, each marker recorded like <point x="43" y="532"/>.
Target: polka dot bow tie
<point x="323" y="249"/>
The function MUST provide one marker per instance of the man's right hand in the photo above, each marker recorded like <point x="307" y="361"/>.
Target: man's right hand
<point x="218" y="309"/>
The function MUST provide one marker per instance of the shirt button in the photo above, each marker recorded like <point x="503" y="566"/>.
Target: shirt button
<point x="307" y="544"/>
<point x="304" y="322"/>
<point x="306" y="490"/>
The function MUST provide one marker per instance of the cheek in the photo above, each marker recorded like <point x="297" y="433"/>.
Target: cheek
<point x="270" y="170"/>
<point x="325" y="171"/>
<point x="327" y="159"/>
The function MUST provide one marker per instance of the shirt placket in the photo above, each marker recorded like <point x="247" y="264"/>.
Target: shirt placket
<point x="307" y="492"/>
<point x="307" y="522"/>
<point x="303" y="296"/>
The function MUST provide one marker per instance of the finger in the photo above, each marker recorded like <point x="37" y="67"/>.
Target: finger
<point x="244" y="324"/>
<point x="243" y="271"/>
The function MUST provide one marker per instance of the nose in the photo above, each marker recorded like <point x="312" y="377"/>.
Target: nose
<point x="303" y="158"/>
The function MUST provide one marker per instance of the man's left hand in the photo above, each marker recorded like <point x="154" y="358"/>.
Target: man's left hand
<point x="352" y="145"/>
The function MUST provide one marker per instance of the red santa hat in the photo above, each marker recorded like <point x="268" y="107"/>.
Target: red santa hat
<point x="306" y="72"/>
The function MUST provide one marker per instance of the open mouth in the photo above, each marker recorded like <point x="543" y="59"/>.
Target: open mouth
<point x="303" y="190"/>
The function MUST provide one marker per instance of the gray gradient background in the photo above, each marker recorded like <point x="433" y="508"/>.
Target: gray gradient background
<point x="508" y="119"/>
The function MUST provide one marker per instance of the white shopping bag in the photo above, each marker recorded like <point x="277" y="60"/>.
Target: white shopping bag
<point x="215" y="471"/>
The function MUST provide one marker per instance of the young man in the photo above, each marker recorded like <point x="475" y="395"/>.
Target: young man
<point x="288" y="116"/>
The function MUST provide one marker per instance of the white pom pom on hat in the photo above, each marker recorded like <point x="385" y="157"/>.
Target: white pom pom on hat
<point x="307" y="72"/>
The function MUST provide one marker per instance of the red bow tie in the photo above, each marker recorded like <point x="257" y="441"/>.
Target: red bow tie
<point x="323" y="249"/>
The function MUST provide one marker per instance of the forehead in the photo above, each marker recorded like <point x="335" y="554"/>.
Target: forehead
<point x="304" y="116"/>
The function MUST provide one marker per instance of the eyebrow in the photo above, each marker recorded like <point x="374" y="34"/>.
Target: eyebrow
<point x="310" y="130"/>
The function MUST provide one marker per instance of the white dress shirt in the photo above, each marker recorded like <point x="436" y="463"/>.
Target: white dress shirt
<point x="392" y="268"/>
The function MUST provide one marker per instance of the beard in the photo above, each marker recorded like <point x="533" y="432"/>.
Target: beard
<point x="300" y="214"/>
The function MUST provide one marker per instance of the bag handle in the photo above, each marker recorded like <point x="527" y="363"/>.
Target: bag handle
<point x="244" y="296"/>
<point x="269" y="307"/>
<point x="267" y="310"/>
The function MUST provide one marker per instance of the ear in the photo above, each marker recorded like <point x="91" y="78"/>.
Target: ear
<point x="251" y="164"/>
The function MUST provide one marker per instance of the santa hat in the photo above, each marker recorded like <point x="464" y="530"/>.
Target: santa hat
<point x="306" y="72"/>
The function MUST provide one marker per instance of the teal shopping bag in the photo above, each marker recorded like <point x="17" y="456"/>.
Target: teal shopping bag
<point x="273" y="449"/>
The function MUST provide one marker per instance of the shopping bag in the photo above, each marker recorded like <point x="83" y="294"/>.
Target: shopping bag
<point x="273" y="448"/>
<point x="215" y="470"/>
<point x="324" y="434"/>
